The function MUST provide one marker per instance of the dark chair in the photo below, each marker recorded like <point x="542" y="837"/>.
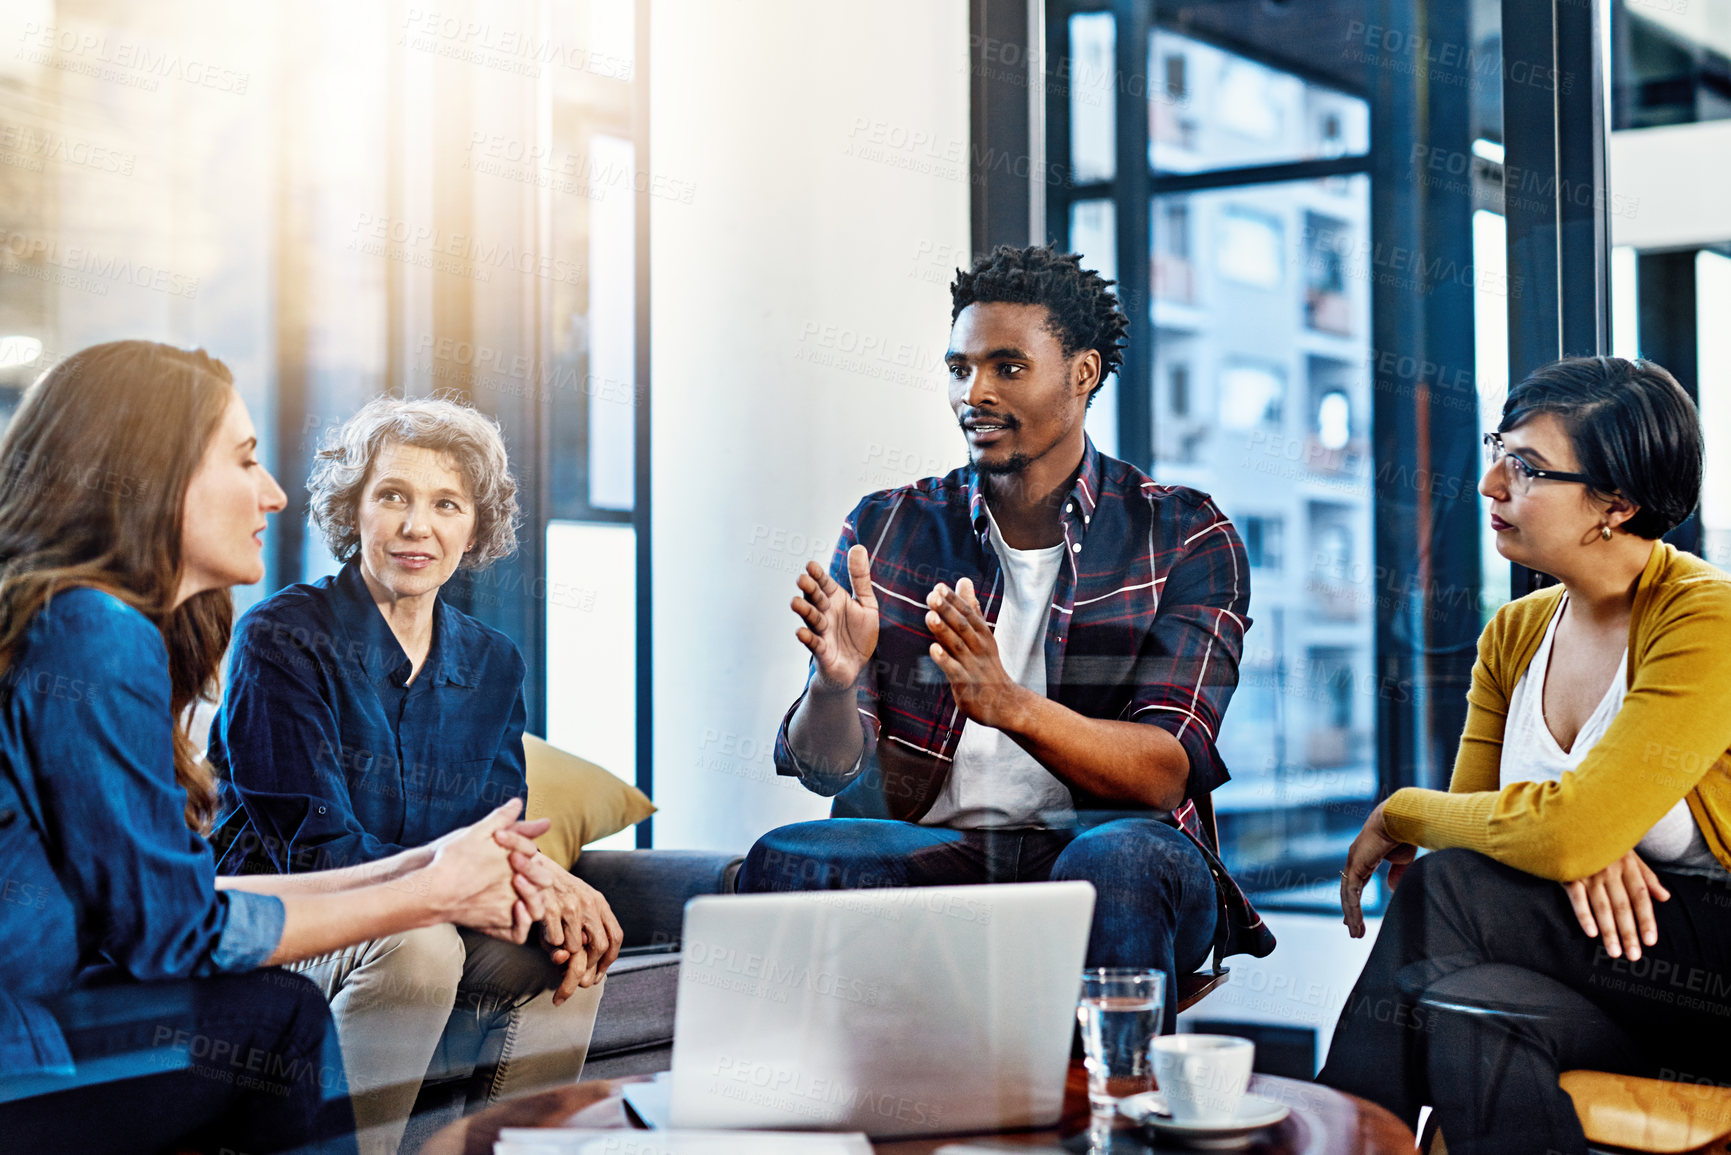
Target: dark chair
<point x="1619" y="1113"/>
<point x="1193" y="988"/>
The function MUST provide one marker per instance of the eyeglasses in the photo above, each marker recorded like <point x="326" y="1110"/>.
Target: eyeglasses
<point x="1521" y="474"/>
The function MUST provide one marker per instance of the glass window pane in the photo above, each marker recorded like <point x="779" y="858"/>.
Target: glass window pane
<point x="591" y="172"/>
<point x="1671" y="63"/>
<point x="363" y="198"/>
<point x="1093" y="97"/>
<point x="1262" y="397"/>
<point x="1249" y="248"/>
<point x="1625" y="303"/>
<point x="612" y="38"/>
<point x="1174" y="274"/>
<point x="592" y="646"/>
<point x="1713" y="305"/>
<point x="611" y="383"/>
<point x="1210" y="108"/>
<point x="1094" y="234"/>
<point x="1491" y="372"/>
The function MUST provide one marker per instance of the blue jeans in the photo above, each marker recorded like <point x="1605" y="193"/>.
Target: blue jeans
<point x="1154" y="906"/>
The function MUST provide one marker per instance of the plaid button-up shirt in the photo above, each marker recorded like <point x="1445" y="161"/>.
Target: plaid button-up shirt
<point x="1146" y="625"/>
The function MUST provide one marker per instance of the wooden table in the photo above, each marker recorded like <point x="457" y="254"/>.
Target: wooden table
<point x="1322" y="1122"/>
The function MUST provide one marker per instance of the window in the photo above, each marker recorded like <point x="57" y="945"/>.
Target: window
<point x="1333" y="136"/>
<point x="372" y="201"/>
<point x="1220" y="108"/>
<point x="1673" y="64"/>
<point x="1249" y="248"/>
<point x="1327" y="248"/>
<point x="1177" y="90"/>
<point x="1713" y="293"/>
<point x="1263" y="541"/>
<point x="592" y="533"/>
<point x="1093" y="96"/>
<point x="1174" y="275"/>
<point x="1178" y="389"/>
<point x="1172" y="237"/>
<point x="1337" y="437"/>
<point x="1288" y="356"/>
<point x="1330" y="741"/>
<point x="1334" y="421"/>
<point x="1491" y="380"/>
<point x="1669" y="270"/>
<point x="1251" y="397"/>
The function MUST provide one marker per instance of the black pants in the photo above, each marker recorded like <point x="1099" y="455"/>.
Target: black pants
<point x="1482" y="988"/>
<point x="230" y="1063"/>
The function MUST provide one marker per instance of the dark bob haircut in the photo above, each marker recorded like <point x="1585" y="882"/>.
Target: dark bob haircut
<point x="1085" y="313"/>
<point x="1636" y="433"/>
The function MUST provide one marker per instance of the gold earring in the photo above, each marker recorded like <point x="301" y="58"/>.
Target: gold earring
<point x="1605" y="533"/>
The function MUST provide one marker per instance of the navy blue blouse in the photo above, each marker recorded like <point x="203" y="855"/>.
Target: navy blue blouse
<point x="96" y="862"/>
<point x="330" y="756"/>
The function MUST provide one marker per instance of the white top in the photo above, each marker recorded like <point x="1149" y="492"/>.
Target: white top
<point x="994" y="782"/>
<point x="1531" y="754"/>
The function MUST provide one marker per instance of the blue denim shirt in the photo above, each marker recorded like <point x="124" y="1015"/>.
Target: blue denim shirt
<point x="96" y="862"/>
<point x="331" y="757"/>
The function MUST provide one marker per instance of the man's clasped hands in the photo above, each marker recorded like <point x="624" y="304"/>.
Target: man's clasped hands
<point x="841" y="630"/>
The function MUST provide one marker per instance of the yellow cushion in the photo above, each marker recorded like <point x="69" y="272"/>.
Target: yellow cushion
<point x="584" y="801"/>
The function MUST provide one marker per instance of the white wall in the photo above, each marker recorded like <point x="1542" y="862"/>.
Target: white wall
<point x="799" y="312"/>
<point x="1668" y="185"/>
<point x="1303" y="984"/>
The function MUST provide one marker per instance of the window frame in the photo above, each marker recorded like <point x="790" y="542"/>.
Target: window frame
<point x="1551" y="244"/>
<point x="512" y="602"/>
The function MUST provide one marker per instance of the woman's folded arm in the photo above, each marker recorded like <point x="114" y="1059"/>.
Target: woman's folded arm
<point x="1673" y="726"/>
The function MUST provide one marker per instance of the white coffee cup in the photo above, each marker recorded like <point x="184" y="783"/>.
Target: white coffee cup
<point x="1203" y="1077"/>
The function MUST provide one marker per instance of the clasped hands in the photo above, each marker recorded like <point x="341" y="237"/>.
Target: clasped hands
<point x="841" y="631"/>
<point x="499" y="883"/>
<point x="1614" y="904"/>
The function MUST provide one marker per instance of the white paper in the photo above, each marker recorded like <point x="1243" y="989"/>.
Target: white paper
<point x="588" y="1141"/>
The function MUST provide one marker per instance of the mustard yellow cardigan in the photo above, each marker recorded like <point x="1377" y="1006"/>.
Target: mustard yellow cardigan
<point x="1668" y="741"/>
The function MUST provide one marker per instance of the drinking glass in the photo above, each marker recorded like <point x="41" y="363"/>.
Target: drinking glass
<point x="1120" y="1012"/>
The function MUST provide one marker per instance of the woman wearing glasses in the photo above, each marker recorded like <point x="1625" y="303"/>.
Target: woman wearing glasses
<point x="1580" y="875"/>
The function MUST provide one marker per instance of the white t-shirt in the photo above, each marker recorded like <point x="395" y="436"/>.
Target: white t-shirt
<point x="1531" y="754"/>
<point x="993" y="782"/>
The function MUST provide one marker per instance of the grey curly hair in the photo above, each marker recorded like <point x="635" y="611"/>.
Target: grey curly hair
<point x="444" y="426"/>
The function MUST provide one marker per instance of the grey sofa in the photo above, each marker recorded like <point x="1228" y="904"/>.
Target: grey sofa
<point x="648" y="890"/>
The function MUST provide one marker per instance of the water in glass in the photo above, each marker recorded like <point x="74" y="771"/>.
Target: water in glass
<point x="1120" y="1016"/>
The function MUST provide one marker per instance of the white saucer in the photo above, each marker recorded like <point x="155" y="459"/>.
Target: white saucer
<point x="1254" y="1113"/>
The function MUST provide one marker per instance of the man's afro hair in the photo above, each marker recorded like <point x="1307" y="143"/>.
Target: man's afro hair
<point x="1085" y="313"/>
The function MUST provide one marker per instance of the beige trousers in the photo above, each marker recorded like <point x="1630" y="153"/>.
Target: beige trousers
<point x="442" y="1003"/>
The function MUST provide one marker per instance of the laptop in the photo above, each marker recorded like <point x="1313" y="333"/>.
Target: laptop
<point x="914" y="1011"/>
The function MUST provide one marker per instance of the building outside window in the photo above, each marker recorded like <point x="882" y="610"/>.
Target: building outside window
<point x="1262" y="380"/>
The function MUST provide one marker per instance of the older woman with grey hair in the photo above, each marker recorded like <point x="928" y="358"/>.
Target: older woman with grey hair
<point x="364" y="714"/>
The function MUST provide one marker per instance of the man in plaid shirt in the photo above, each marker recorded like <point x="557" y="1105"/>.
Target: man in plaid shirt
<point x="1018" y="670"/>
